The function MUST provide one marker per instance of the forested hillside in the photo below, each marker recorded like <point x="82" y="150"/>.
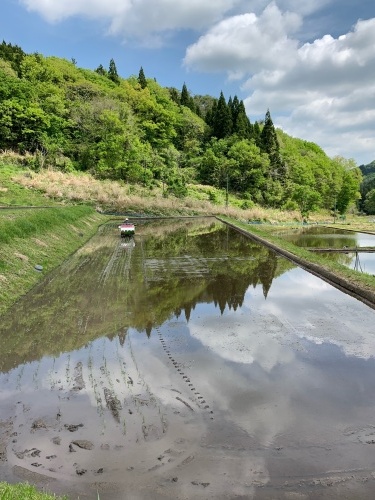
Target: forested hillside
<point x="368" y="188"/>
<point x="133" y="130"/>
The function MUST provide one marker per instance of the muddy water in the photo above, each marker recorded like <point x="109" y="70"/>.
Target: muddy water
<point x="189" y="362"/>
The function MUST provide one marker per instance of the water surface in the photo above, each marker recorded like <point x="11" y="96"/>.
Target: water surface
<point x="327" y="237"/>
<point x="188" y="362"/>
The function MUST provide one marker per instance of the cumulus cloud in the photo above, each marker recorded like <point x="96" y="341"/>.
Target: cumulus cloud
<point x="54" y="11"/>
<point x="246" y="43"/>
<point x="321" y="90"/>
<point x="137" y="19"/>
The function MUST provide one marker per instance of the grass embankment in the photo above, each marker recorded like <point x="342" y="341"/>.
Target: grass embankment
<point x="35" y="237"/>
<point x="29" y="237"/>
<point x="41" y="237"/>
<point x="23" y="492"/>
<point x="361" y="285"/>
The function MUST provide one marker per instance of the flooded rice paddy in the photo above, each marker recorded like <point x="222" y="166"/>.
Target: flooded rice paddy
<point x="327" y="237"/>
<point x="332" y="238"/>
<point x="187" y="363"/>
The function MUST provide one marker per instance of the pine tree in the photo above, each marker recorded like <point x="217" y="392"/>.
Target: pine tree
<point x="234" y="108"/>
<point x="256" y="133"/>
<point x="184" y="98"/>
<point x="142" y="79"/>
<point x="270" y="145"/>
<point x="210" y="114"/>
<point x="269" y="142"/>
<point x="231" y="107"/>
<point x="222" y="120"/>
<point x="12" y="53"/>
<point x="241" y="123"/>
<point x="112" y="72"/>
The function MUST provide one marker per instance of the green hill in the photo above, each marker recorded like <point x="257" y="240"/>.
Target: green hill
<point x="135" y="131"/>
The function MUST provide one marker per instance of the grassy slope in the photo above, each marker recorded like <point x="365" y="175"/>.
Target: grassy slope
<point x="30" y="237"/>
<point x="25" y="244"/>
<point x="113" y="195"/>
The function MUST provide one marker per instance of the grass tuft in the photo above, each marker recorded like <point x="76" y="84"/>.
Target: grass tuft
<point x="24" y="492"/>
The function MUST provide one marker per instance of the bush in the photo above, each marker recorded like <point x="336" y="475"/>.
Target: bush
<point x="290" y="205"/>
<point x="245" y="205"/>
<point x="213" y="196"/>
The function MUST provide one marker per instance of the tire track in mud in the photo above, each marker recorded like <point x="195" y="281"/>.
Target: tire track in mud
<point x="145" y="401"/>
<point x="197" y="397"/>
<point x="118" y="258"/>
<point x="121" y="392"/>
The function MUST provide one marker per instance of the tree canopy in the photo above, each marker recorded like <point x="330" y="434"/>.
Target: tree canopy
<point x="134" y="130"/>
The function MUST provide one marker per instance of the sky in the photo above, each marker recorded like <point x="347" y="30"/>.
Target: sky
<point x="310" y="62"/>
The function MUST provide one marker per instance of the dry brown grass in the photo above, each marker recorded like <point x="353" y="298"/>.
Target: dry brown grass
<point x="111" y="195"/>
<point x="20" y="256"/>
<point x="39" y="242"/>
<point x="13" y="158"/>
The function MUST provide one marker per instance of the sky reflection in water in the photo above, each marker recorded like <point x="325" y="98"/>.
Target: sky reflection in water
<point x="287" y="367"/>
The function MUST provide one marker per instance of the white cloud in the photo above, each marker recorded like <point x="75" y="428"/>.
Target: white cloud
<point x="246" y="43"/>
<point x="321" y="91"/>
<point x="143" y="20"/>
<point x="54" y="11"/>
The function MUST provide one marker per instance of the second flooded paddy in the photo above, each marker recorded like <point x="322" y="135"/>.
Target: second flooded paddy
<point x="327" y="237"/>
<point x="189" y="362"/>
<point x="335" y="240"/>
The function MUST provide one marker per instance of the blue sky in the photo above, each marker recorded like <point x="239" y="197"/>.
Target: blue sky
<point x="311" y="62"/>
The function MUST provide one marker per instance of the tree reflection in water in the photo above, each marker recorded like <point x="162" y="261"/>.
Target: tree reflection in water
<point x="107" y="287"/>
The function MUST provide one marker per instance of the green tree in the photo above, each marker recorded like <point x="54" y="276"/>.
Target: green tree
<point x="112" y="72"/>
<point x="251" y="165"/>
<point x="369" y="204"/>
<point x="270" y="144"/>
<point x="185" y="97"/>
<point x="307" y="200"/>
<point x="142" y="79"/>
<point x="241" y="123"/>
<point x="174" y="94"/>
<point x="12" y="54"/>
<point x="101" y="70"/>
<point x="256" y="134"/>
<point x="210" y="114"/>
<point x="349" y="192"/>
<point x="222" y="120"/>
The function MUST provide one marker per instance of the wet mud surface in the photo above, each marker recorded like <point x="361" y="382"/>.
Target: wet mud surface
<point x="187" y="363"/>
